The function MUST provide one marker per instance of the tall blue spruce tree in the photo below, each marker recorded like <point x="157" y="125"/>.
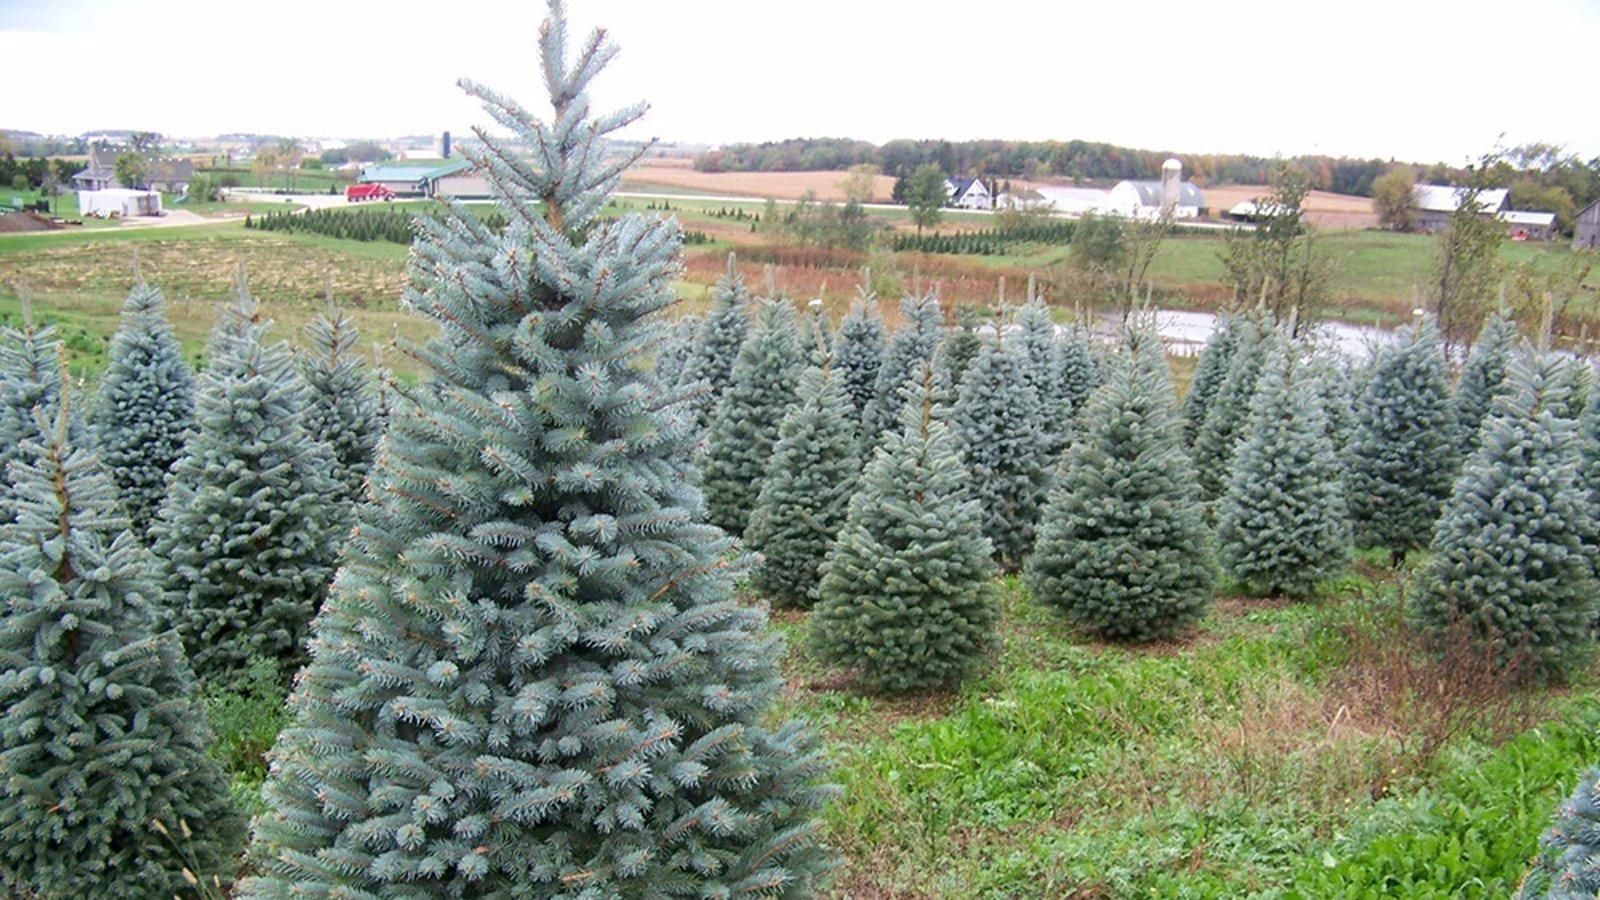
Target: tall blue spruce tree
<point x="1035" y="339"/>
<point x="744" y="429"/>
<point x="1508" y="564"/>
<point x="1078" y="373"/>
<point x="144" y="408"/>
<point x="1402" y="456"/>
<point x="107" y="789"/>
<point x="999" y="427"/>
<point x="252" y="523"/>
<point x="858" y="353"/>
<point x="532" y="678"/>
<point x="912" y="344"/>
<point x="1228" y="411"/>
<point x="676" y="350"/>
<point x="709" y="369"/>
<point x="342" y="408"/>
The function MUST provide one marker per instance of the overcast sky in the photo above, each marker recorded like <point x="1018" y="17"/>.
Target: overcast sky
<point x="1396" y="78"/>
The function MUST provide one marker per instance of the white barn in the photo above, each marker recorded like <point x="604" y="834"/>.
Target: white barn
<point x="1149" y="199"/>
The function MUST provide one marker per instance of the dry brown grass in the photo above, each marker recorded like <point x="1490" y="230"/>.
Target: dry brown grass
<point x="1324" y="209"/>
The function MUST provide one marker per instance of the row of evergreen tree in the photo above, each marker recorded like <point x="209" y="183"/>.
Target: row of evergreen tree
<point x="187" y="526"/>
<point x="1282" y="457"/>
<point x="390" y="224"/>
<point x="1017" y="447"/>
<point x="990" y="241"/>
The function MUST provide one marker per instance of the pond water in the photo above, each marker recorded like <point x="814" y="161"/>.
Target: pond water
<point x="1185" y="333"/>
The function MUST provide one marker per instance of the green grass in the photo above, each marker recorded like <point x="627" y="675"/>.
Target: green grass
<point x="1213" y="767"/>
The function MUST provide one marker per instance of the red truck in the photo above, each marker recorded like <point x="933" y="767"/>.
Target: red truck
<point x="356" y="193"/>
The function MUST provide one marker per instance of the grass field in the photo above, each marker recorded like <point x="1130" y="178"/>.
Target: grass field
<point x="1258" y="756"/>
<point x="1246" y="760"/>
<point x="80" y="276"/>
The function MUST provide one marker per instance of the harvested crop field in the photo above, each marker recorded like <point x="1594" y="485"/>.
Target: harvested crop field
<point x="1323" y="208"/>
<point x="779" y="185"/>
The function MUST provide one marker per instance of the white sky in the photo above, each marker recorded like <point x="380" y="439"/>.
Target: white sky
<point x="1411" y="80"/>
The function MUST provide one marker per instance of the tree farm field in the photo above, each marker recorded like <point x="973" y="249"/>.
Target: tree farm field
<point x="79" y="278"/>
<point x="1262" y="754"/>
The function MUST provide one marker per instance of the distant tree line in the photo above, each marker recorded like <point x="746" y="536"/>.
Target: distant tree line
<point x="1077" y="160"/>
<point x="1540" y="176"/>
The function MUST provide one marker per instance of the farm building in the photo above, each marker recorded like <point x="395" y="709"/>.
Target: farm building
<point x="458" y="181"/>
<point x="1437" y="202"/>
<point x="412" y="180"/>
<point x="1529" y="226"/>
<point x="969" y="193"/>
<point x="99" y="174"/>
<point x="1149" y="199"/>
<point x="119" y="203"/>
<point x="1586" y="235"/>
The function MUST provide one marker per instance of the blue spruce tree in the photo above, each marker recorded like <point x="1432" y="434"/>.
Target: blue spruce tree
<point x="907" y="597"/>
<point x="858" y="353"/>
<point x="960" y="345"/>
<point x="709" y="369"/>
<point x="805" y="493"/>
<point x="999" y="428"/>
<point x="30" y="384"/>
<point x="677" y="349"/>
<point x="1078" y="374"/>
<point x="1568" y="867"/>
<point x="1035" y="339"/>
<point x="145" y="407"/>
<point x="1402" y="455"/>
<point x="1123" y="547"/>
<point x="744" y="428"/>
<point x="342" y="409"/>
<point x="532" y="678"/>
<point x="1508" y="563"/>
<point x="1228" y="412"/>
<point x="251" y="526"/>
<point x="107" y="788"/>
<point x="1281" y="526"/>
<point x="1483" y="380"/>
<point x="912" y="344"/>
<point x="1215" y="361"/>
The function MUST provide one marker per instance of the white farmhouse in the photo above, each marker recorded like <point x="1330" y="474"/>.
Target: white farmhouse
<point x="968" y="193"/>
